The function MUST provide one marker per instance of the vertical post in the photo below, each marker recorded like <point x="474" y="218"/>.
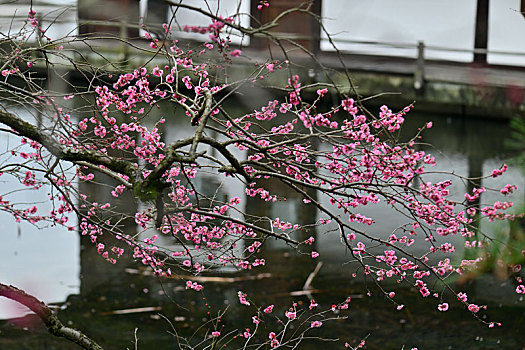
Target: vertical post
<point x="419" y="74"/>
<point x="482" y="31"/>
<point x="298" y="23"/>
<point x="40" y="27"/>
<point x="39" y="37"/>
<point x="315" y="35"/>
<point x="124" y="39"/>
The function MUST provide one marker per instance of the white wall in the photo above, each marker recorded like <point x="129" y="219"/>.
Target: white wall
<point x="224" y="8"/>
<point x="506" y="32"/>
<point x="447" y="23"/>
<point x="59" y="17"/>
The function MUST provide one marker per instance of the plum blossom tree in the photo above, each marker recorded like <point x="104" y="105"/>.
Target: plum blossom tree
<point x="317" y="140"/>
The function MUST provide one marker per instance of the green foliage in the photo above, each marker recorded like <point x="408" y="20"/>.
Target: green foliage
<point x="516" y="143"/>
<point x="505" y="250"/>
<point x="146" y="193"/>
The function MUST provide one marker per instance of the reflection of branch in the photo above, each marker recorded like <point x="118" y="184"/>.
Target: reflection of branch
<point x="52" y="322"/>
<point x="308" y="284"/>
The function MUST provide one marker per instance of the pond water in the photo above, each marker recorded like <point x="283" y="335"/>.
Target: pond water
<point x="58" y="267"/>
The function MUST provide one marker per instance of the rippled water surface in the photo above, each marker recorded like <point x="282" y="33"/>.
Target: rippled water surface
<point x="59" y="268"/>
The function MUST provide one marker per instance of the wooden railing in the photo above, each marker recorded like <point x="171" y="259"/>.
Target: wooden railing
<point x="417" y="50"/>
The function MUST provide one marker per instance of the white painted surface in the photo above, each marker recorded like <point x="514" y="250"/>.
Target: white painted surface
<point x="224" y="8"/>
<point x="445" y="23"/>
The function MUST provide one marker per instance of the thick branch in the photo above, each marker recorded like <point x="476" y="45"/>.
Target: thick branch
<point x="171" y="153"/>
<point x="32" y="132"/>
<point x="105" y="171"/>
<point x="47" y="316"/>
<point x="202" y="123"/>
<point x="28" y="130"/>
<point x="236" y="165"/>
<point x="172" y="156"/>
<point x="117" y="165"/>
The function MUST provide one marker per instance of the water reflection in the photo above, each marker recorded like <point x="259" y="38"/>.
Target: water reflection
<point x="466" y="146"/>
<point x="45" y="262"/>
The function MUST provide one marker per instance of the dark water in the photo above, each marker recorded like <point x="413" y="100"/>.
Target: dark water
<point x="93" y="290"/>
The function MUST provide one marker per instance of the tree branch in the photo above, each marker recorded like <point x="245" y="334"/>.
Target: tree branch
<point x="28" y="130"/>
<point x="47" y="316"/>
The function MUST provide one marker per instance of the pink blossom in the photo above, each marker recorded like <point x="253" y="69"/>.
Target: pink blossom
<point x="236" y="53"/>
<point x="100" y="131"/>
<point x="268" y="310"/>
<point x="497" y="172"/>
<point x="321" y="92"/>
<point x="473" y="308"/>
<point x="508" y="189"/>
<point x="274" y="342"/>
<point x="291" y="314"/>
<point x="443" y="307"/>
<point x="193" y="285"/>
<point x="316" y="324"/>
<point x="157" y="71"/>
<point x="462" y="297"/>
<point x="262" y="4"/>
<point x="242" y="298"/>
